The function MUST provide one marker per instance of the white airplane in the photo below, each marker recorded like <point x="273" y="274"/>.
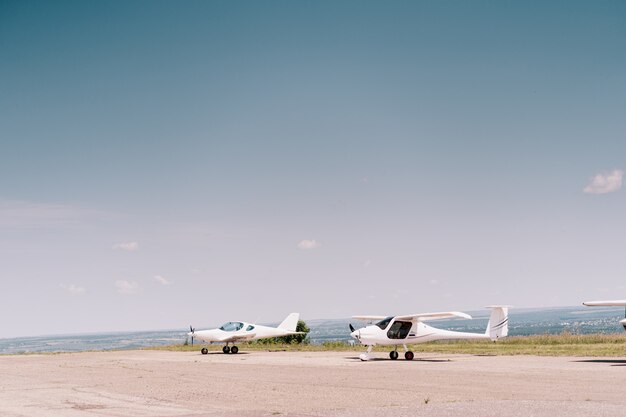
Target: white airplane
<point x="410" y="329"/>
<point x="239" y="331"/>
<point x="610" y="303"/>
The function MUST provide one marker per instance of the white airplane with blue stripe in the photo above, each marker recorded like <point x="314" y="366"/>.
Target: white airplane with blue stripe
<point x="411" y="329"/>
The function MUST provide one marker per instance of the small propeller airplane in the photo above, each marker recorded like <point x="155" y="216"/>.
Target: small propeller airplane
<point x="610" y="303"/>
<point x="410" y="329"/>
<point x="239" y="331"/>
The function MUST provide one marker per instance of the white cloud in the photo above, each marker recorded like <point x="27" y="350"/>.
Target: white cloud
<point x="161" y="280"/>
<point x="433" y="282"/>
<point x="126" y="287"/>
<point x="308" y="244"/>
<point x="73" y="289"/>
<point x="605" y="182"/>
<point x="127" y="246"/>
<point x="367" y="263"/>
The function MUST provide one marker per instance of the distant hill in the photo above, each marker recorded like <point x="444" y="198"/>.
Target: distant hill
<point x="577" y="320"/>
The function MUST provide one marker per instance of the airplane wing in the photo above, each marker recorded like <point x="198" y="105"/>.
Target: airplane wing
<point x="612" y="303"/>
<point x="435" y="316"/>
<point x="368" y="318"/>
<point x="238" y="337"/>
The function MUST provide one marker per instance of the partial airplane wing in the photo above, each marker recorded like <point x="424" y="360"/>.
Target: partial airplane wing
<point x="367" y="318"/>
<point x="435" y="316"/>
<point x="238" y="337"/>
<point x="612" y="303"/>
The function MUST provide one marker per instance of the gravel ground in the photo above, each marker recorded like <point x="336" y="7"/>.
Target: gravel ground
<point x="161" y="383"/>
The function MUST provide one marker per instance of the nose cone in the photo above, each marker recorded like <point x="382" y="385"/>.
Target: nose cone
<point x="623" y="323"/>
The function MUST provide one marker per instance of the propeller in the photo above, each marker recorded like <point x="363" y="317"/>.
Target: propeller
<point x="351" y="327"/>
<point x="192" y="333"/>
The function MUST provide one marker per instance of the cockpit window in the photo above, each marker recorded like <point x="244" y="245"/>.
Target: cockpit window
<point x="249" y="328"/>
<point x="231" y="326"/>
<point x="384" y="323"/>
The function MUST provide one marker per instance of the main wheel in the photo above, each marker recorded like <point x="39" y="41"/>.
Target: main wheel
<point x="408" y="355"/>
<point x="393" y="355"/>
<point x="234" y="349"/>
<point x="225" y="349"/>
<point x="204" y="351"/>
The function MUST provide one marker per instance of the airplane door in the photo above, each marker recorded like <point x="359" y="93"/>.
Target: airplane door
<point x="399" y="330"/>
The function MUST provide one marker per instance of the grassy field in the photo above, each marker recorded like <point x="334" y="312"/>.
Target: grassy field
<point x="565" y="344"/>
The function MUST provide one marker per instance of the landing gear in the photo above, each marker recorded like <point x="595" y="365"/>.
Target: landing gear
<point x="228" y="349"/>
<point x="408" y="355"/>
<point x="393" y="355"/>
<point x="204" y="351"/>
<point x="366" y="356"/>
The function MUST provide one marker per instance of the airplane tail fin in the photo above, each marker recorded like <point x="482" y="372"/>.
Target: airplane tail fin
<point x="290" y="322"/>
<point x="498" y="325"/>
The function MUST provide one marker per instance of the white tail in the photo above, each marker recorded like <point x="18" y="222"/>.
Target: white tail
<point x="498" y="325"/>
<point x="290" y="322"/>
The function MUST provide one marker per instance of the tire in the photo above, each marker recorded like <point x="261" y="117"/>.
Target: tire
<point x="226" y="349"/>
<point x="204" y="351"/>
<point x="234" y="350"/>
<point x="393" y="355"/>
<point x="409" y="355"/>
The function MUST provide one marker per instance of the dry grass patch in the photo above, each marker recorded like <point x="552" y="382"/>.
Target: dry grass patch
<point x="565" y="344"/>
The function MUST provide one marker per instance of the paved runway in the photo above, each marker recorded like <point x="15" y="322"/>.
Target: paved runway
<point x="160" y="383"/>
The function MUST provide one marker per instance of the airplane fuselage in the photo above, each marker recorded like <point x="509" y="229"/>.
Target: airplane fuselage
<point x="401" y="332"/>
<point x="245" y="332"/>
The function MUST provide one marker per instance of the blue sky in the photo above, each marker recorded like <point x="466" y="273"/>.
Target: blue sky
<point x="331" y="158"/>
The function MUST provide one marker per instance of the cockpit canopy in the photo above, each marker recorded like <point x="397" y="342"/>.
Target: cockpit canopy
<point x="384" y="322"/>
<point x="232" y="326"/>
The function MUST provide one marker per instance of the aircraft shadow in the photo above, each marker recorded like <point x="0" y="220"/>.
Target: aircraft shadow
<point x="612" y="362"/>
<point x="224" y="354"/>
<point x="416" y="360"/>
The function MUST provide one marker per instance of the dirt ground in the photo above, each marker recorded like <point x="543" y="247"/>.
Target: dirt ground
<point x="161" y="383"/>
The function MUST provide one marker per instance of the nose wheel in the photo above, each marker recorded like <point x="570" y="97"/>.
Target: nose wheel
<point x="204" y="351"/>
<point x="366" y="356"/>
<point x="393" y="355"/>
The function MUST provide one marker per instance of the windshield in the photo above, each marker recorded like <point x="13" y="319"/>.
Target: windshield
<point x="384" y="322"/>
<point x="231" y="326"/>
